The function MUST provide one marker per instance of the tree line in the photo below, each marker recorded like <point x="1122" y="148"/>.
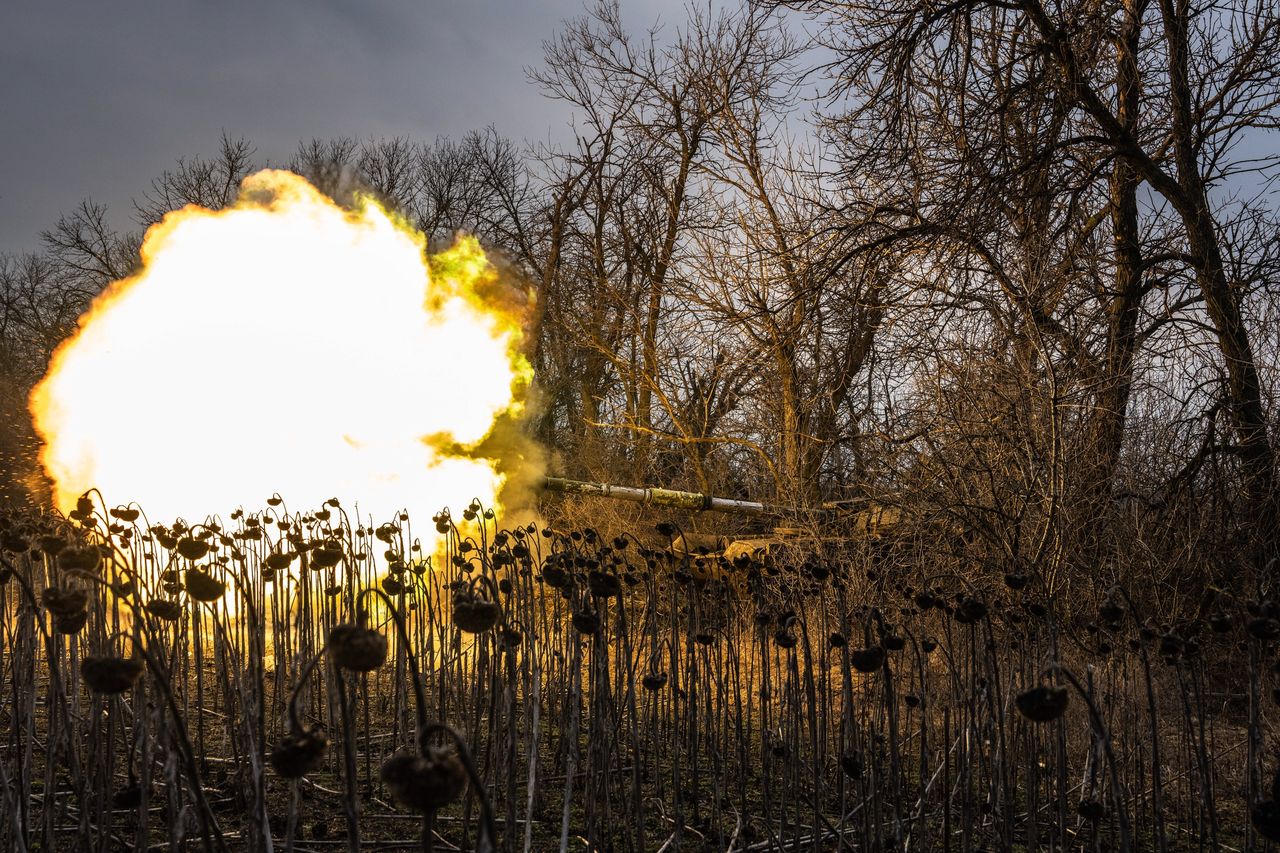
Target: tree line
<point x="1007" y="266"/>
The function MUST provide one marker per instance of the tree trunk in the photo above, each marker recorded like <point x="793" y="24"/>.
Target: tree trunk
<point x="1107" y="426"/>
<point x="1222" y="302"/>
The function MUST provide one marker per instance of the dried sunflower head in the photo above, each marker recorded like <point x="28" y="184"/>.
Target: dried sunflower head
<point x="357" y="648"/>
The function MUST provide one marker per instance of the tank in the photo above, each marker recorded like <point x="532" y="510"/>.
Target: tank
<point x="843" y="520"/>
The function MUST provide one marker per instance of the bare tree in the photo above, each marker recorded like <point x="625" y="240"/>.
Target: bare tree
<point x="642" y="105"/>
<point x="209" y="183"/>
<point x="1159" y="96"/>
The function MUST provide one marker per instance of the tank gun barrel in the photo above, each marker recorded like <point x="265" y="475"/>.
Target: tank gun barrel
<point x="674" y="499"/>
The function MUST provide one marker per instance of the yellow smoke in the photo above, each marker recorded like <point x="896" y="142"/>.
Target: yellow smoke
<point x="287" y="345"/>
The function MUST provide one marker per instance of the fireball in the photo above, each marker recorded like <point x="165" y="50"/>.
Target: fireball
<point x="288" y="345"/>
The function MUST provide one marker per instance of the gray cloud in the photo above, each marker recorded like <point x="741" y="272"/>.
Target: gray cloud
<point x="100" y="97"/>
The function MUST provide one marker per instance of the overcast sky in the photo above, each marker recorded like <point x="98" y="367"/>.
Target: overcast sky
<point x="97" y="97"/>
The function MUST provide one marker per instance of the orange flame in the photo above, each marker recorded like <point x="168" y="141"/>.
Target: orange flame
<point x="287" y="345"/>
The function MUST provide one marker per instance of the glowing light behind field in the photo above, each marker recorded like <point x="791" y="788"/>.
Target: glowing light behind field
<point x="287" y="345"/>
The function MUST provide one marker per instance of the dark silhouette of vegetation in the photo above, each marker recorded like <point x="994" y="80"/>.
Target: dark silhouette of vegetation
<point x="531" y="685"/>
